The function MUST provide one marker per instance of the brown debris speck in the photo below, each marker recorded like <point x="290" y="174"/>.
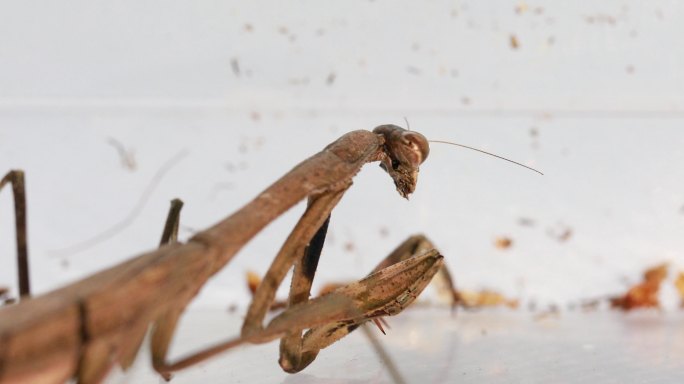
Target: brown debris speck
<point x="514" y="42"/>
<point x="235" y="66"/>
<point x="679" y="285"/>
<point x="485" y="298"/>
<point x="503" y="242"/>
<point x="349" y="246"/>
<point x="551" y="312"/>
<point x="413" y="70"/>
<point x="253" y="281"/>
<point x="560" y="232"/>
<point x="331" y="78"/>
<point x="521" y="8"/>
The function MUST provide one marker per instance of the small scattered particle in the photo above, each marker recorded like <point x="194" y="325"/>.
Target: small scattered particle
<point x="331" y="78"/>
<point x="248" y="27"/>
<point x="413" y="70"/>
<point x="590" y="305"/>
<point x="465" y="100"/>
<point x="232" y="308"/>
<point x="349" y="246"/>
<point x="551" y="312"/>
<point x="503" y="242"/>
<point x="253" y="281"/>
<point x="629" y="69"/>
<point x="565" y="235"/>
<point x="679" y="285"/>
<point x="255" y="116"/>
<point x="521" y="8"/>
<point x="283" y="30"/>
<point x="235" y="66"/>
<point x="644" y="294"/>
<point x="384" y="232"/>
<point x="485" y="298"/>
<point x="514" y="42"/>
<point x="550" y="41"/>
<point x="534" y="132"/>
<point x="560" y="232"/>
<point x="600" y="19"/>
<point x="127" y="156"/>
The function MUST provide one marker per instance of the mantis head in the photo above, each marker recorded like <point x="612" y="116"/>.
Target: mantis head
<point x="402" y="155"/>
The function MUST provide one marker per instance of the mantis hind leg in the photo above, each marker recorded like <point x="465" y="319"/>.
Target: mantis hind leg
<point x="99" y="356"/>
<point x="16" y="178"/>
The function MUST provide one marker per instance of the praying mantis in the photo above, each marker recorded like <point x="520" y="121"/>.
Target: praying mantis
<point x="82" y="330"/>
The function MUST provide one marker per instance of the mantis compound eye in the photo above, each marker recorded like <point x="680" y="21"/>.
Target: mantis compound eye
<point x="419" y="147"/>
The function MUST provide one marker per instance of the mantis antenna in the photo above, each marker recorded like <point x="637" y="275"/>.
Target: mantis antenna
<point x="408" y="128"/>
<point x="486" y="153"/>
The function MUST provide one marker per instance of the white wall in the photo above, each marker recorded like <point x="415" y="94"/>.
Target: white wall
<point x="248" y="89"/>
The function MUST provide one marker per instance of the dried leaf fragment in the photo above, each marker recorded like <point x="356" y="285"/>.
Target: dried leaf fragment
<point x="485" y="298"/>
<point x="253" y="281"/>
<point x="679" y="284"/>
<point x="503" y="242"/>
<point x="514" y="42"/>
<point x="644" y="294"/>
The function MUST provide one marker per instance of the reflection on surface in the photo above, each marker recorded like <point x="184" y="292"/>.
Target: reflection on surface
<point x="431" y="346"/>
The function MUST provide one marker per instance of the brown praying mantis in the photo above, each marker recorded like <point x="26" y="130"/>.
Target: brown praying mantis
<point x="82" y="330"/>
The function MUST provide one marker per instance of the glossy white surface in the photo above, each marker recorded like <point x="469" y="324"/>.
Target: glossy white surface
<point x="430" y="346"/>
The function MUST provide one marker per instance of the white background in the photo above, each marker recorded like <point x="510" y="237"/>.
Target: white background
<point x="592" y="96"/>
